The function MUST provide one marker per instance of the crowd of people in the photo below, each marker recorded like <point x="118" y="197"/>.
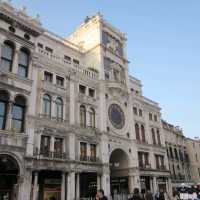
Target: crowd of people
<point x="191" y="193"/>
<point x="182" y="193"/>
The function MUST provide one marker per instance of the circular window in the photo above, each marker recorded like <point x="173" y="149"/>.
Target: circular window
<point x="116" y="116"/>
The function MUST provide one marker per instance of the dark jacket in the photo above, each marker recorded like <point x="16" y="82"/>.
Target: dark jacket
<point x="135" y="197"/>
<point x="104" y="198"/>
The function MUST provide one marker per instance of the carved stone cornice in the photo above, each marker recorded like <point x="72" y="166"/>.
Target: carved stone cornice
<point x="14" y="18"/>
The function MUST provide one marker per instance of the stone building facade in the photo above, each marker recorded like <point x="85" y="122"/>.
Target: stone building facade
<point x="178" y="154"/>
<point x="71" y="117"/>
<point x="193" y="148"/>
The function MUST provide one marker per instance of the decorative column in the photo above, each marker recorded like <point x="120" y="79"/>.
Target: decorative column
<point x="155" y="187"/>
<point x="52" y="146"/>
<point x="25" y="185"/>
<point x="131" y="184"/>
<point x="98" y="181"/>
<point x="71" y="146"/>
<point x="71" y="186"/>
<point x="39" y="133"/>
<point x="105" y="181"/>
<point x="35" y="186"/>
<point x="29" y="75"/>
<point x="72" y="100"/>
<point x="77" y="186"/>
<point x="9" y="115"/>
<point x="63" y="187"/>
<point x="53" y="107"/>
<point x="16" y="59"/>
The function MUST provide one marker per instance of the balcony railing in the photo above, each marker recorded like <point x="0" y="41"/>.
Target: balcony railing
<point x="161" y="167"/>
<point x="89" y="158"/>
<point x="144" y="166"/>
<point x="78" y="68"/>
<point x="51" y="155"/>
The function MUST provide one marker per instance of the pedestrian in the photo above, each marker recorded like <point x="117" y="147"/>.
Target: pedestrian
<point x="100" y="195"/>
<point x="160" y="195"/>
<point x="143" y="194"/>
<point x="136" y="195"/>
<point x="149" y="195"/>
<point x="175" y="196"/>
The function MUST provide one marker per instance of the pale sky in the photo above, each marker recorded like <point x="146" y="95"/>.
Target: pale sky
<point x="163" y="46"/>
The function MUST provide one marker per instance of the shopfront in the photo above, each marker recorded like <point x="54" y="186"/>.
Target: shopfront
<point x="88" y="185"/>
<point x="50" y="185"/>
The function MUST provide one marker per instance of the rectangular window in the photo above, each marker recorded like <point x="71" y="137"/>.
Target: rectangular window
<point x="58" y="147"/>
<point x="140" y="159"/>
<point x="83" y="151"/>
<point x="157" y="162"/>
<point x="59" y="81"/>
<point x="67" y="58"/>
<point x="45" y="146"/>
<point x="143" y="158"/>
<point x="48" y="77"/>
<point x="140" y="112"/>
<point x="40" y="45"/>
<point x="93" y="150"/>
<point x="160" y="162"/>
<point x="116" y="74"/>
<point x="150" y="116"/>
<point x="196" y="156"/>
<point x="82" y="89"/>
<point x="135" y="110"/>
<point x="49" y="49"/>
<point x="107" y="75"/>
<point x="91" y="92"/>
<point x="105" y="38"/>
<point x="76" y="62"/>
<point x="155" y="118"/>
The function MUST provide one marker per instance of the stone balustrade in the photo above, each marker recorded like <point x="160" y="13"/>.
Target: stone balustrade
<point x="78" y="68"/>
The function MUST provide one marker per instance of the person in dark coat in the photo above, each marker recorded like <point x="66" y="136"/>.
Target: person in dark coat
<point x="136" y="195"/>
<point x="100" y="195"/>
<point x="149" y="195"/>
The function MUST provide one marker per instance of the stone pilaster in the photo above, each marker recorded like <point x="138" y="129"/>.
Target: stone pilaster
<point x="105" y="181"/>
<point x="63" y="186"/>
<point x="71" y="186"/>
<point x="77" y="186"/>
<point x="35" y="186"/>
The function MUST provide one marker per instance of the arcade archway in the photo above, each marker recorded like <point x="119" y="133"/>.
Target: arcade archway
<point x="119" y="164"/>
<point x="9" y="173"/>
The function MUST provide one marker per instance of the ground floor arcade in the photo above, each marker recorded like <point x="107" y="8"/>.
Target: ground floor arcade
<point x="42" y="182"/>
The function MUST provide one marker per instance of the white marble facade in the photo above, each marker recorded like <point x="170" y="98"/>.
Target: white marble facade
<point x="86" y="123"/>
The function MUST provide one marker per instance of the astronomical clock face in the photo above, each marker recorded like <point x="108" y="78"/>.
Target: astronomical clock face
<point x="116" y="116"/>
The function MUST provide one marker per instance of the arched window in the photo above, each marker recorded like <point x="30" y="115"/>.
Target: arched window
<point x="47" y="105"/>
<point x="137" y="132"/>
<point x="23" y="62"/>
<point x="171" y="152"/>
<point x="92" y="117"/>
<point x="153" y="136"/>
<point x="18" y="114"/>
<point x="158" y="137"/>
<point x="59" y="108"/>
<point x="82" y="116"/>
<point x="4" y="98"/>
<point x="7" y="54"/>
<point x="143" y="133"/>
